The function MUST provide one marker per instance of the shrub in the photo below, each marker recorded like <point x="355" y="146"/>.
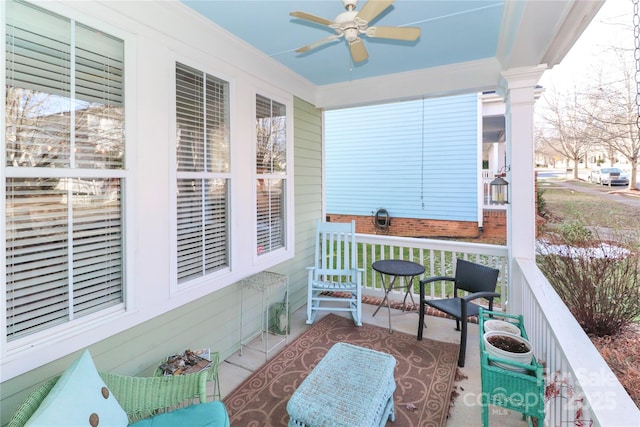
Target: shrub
<point x="599" y="282"/>
<point x="575" y="233"/>
<point x="541" y="203"/>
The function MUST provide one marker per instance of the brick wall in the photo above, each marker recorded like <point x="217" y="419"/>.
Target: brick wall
<point x="495" y="226"/>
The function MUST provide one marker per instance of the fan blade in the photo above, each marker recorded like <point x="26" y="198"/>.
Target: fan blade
<point x="358" y="51"/>
<point x="396" y="33"/>
<point x="372" y="9"/>
<point x="317" y="44"/>
<point x="309" y="17"/>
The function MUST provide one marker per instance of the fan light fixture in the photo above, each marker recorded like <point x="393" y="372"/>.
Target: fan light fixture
<point x="350" y="34"/>
<point x="352" y="23"/>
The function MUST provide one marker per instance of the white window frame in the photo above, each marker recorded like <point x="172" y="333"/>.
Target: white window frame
<point x="286" y="252"/>
<point x="214" y="278"/>
<point x="59" y="340"/>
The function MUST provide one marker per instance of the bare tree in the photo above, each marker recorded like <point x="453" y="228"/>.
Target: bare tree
<point x="615" y="112"/>
<point x="39" y="131"/>
<point x="564" y="128"/>
<point x="545" y="155"/>
<point x="32" y="132"/>
<point x="271" y="144"/>
<point x="603" y="113"/>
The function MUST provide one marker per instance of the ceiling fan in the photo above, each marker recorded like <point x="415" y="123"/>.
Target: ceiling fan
<point x="351" y="24"/>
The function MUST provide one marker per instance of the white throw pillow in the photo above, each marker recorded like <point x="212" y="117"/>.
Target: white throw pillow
<point x="79" y="398"/>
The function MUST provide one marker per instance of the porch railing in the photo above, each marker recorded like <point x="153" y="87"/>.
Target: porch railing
<point x="437" y="256"/>
<point x="583" y="391"/>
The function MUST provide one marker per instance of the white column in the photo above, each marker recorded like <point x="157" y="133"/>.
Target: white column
<point x="494" y="161"/>
<point x="518" y="90"/>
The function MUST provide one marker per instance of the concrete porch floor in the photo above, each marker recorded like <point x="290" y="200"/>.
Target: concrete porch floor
<point x="466" y="410"/>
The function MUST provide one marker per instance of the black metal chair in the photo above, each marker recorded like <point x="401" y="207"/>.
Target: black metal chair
<point x="479" y="281"/>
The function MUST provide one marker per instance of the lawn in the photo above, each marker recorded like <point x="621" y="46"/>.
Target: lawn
<point x="563" y="204"/>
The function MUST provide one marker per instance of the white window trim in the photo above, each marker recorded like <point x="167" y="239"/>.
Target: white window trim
<point x="222" y="277"/>
<point x="277" y="256"/>
<point x="23" y="354"/>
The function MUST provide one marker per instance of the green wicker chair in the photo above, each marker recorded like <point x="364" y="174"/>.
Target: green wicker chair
<point x="213" y="374"/>
<point x="139" y="397"/>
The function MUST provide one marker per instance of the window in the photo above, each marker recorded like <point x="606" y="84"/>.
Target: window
<point x="64" y="170"/>
<point x="271" y="170"/>
<point x="202" y="154"/>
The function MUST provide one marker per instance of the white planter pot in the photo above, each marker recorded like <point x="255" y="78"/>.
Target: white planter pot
<point x="501" y="326"/>
<point x="524" y="358"/>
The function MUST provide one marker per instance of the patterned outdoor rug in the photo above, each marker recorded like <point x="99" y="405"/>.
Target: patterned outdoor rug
<point x="424" y="374"/>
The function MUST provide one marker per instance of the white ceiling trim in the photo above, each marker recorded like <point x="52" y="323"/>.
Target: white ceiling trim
<point x="581" y="14"/>
<point x="475" y="76"/>
<point x="542" y="32"/>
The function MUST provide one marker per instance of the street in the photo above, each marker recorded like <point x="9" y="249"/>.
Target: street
<point x="583" y="174"/>
<point x="615" y="193"/>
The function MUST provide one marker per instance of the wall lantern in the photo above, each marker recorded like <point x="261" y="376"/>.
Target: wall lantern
<point x="499" y="188"/>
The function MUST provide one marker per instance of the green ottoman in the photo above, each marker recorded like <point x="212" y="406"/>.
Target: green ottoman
<point x="351" y="386"/>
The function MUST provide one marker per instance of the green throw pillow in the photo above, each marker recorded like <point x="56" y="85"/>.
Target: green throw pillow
<point x="79" y="398"/>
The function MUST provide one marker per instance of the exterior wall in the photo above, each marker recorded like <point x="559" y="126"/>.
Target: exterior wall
<point x="213" y="320"/>
<point x="308" y="198"/>
<point x="411" y="227"/>
<point x="495" y="225"/>
<point x="162" y="318"/>
<point x="494" y="228"/>
<point x="386" y="136"/>
<point x="417" y="159"/>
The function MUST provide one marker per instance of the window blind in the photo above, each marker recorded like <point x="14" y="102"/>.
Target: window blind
<point x="271" y="172"/>
<point x="271" y="215"/>
<point x="64" y="251"/>
<point x="202" y="161"/>
<point x="65" y="92"/>
<point x="64" y="111"/>
<point x="47" y="56"/>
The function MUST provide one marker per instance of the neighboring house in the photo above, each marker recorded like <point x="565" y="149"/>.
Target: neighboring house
<point x="213" y="170"/>
<point x="415" y="168"/>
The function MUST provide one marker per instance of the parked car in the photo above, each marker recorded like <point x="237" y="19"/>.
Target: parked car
<point x="609" y="176"/>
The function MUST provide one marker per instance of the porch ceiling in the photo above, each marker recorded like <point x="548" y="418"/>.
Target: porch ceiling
<point x="464" y="46"/>
<point x="493" y="129"/>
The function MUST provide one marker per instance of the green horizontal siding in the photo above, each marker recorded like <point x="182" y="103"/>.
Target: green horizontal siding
<point x="214" y="320"/>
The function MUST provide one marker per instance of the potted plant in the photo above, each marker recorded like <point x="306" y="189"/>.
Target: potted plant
<point x="502" y="326"/>
<point x="508" y="346"/>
